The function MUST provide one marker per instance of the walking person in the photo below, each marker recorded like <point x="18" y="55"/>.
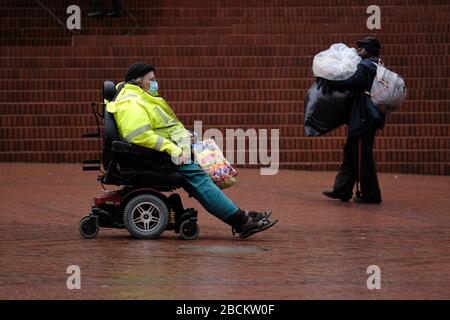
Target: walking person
<point x="358" y="166"/>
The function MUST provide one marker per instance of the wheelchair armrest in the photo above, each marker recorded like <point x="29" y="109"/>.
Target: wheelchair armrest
<point x="132" y="149"/>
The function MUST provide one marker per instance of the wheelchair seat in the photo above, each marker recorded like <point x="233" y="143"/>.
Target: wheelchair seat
<point x="132" y="165"/>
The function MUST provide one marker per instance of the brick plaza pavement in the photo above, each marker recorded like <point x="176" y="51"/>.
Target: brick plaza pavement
<point x="320" y="249"/>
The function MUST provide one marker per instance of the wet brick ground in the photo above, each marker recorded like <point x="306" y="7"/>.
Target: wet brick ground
<point x="320" y="249"/>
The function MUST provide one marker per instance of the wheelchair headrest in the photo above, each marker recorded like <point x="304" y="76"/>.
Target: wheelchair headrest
<point x="109" y="90"/>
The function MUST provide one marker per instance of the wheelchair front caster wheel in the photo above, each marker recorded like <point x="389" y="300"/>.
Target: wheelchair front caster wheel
<point x="88" y="227"/>
<point x="189" y="230"/>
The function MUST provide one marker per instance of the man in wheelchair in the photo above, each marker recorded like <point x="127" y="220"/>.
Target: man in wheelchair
<point x="146" y="120"/>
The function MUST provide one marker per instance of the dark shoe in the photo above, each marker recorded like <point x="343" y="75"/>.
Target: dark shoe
<point x="115" y="14"/>
<point x="333" y="195"/>
<point x="95" y="14"/>
<point x="362" y="200"/>
<point x="257" y="222"/>
<point x="260" y="215"/>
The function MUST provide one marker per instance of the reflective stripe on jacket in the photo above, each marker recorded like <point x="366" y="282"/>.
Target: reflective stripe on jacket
<point x="145" y="120"/>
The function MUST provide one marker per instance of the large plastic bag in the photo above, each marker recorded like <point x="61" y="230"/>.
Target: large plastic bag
<point x="210" y="158"/>
<point x="388" y="89"/>
<point x="325" y="112"/>
<point x="339" y="62"/>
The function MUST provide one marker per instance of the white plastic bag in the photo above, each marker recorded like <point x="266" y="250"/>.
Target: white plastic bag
<point x="211" y="159"/>
<point x="339" y="62"/>
<point x="388" y="89"/>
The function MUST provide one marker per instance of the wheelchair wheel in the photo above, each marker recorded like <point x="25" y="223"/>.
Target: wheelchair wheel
<point x="146" y="216"/>
<point x="189" y="230"/>
<point x="88" y="227"/>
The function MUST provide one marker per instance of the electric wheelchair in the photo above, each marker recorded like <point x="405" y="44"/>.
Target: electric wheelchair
<point x="142" y="175"/>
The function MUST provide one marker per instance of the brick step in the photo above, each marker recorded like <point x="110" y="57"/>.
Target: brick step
<point x="391" y="130"/>
<point x="303" y="23"/>
<point x="232" y="18"/>
<point x="412" y="168"/>
<point x="273" y="25"/>
<point x="170" y="73"/>
<point x="234" y="3"/>
<point x="11" y="41"/>
<point x="300" y="143"/>
<point x="293" y="28"/>
<point x="249" y="3"/>
<point x="60" y="32"/>
<point x="54" y="32"/>
<point x="150" y="29"/>
<point x="204" y="50"/>
<point x="295" y="95"/>
<point x="438" y="168"/>
<point x="298" y="9"/>
<point x="202" y="61"/>
<point x="199" y="84"/>
<point x="408" y="107"/>
<point x="76" y="157"/>
<point x="403" y="156"/>
<point x="298" y="117"/>
<point x="397" y="156"/>
<point x="257" y="40"/>
<point x="53" y="157"/>
<point x="296" y="39"/>
<point x="54" y="108"/>
<point x="230" y="119"/>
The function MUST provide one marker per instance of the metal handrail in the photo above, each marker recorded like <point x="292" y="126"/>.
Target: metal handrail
<point x="136" y="25"/>
<point x="53" y="15"/>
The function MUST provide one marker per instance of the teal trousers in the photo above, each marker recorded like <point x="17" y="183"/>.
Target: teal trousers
<point x="202" y="188"/>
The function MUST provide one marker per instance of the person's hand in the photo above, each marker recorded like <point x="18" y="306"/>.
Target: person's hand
<point x="181" y="159"/>
<point x="193" y="136"/>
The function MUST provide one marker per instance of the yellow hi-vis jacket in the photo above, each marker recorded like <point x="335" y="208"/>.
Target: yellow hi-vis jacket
<point x="145" y="120"/>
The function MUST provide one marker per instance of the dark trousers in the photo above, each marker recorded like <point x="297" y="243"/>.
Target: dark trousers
<point x="117" y="5"/>
<point x="350" y="171"/>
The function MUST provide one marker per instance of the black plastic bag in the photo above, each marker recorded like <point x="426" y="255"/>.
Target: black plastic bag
<point x="325" y="109"/>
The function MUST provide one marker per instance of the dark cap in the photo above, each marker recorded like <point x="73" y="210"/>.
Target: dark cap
<point x="371" y="45"/>
<point x="137" y="70"/>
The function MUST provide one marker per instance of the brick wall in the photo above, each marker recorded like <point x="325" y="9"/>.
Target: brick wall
<point x="231" y="64"/>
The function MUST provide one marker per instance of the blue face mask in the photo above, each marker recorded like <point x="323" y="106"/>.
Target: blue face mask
<point x="153" y="89"/>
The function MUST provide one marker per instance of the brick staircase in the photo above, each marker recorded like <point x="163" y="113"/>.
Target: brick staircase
<point x="230" y="63"/>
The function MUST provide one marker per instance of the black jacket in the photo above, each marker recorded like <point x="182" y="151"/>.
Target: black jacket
<point x="364" y="114"/>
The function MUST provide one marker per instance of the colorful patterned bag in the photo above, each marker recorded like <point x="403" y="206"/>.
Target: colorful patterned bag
<point x="211" y="159"/>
